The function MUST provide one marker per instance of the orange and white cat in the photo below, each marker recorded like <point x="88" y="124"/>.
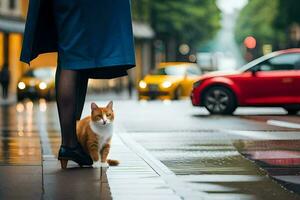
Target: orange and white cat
<point x="95" y="132"/>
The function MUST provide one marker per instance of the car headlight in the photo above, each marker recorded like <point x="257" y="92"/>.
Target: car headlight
<point x="21" y="85"/>
<point x="42" y="85"/>
<point x="143" y="84"/>
<point x="196" y="84"/>
<point x="166" y="84"/>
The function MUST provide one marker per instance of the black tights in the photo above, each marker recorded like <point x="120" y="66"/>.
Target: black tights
<point x="71" y="87"/>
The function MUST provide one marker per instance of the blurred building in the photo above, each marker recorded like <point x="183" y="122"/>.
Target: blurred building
<point x="12" y="23"/>
<point x="143" y="34"/>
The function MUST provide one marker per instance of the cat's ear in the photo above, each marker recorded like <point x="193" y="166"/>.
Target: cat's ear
<point x="110" y="105"/>
<point x="94" y="106"/>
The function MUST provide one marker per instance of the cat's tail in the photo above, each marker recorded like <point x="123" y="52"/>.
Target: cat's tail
<point x="113" y="162"/>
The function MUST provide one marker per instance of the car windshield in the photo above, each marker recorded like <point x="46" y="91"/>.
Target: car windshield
<point x="42" y="73"/>
<point x="255" y="62"/>
<point x="177" y="71"/>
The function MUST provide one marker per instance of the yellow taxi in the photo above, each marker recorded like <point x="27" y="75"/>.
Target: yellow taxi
<point x="171" y="80"/>
<point x="37" y="83"/>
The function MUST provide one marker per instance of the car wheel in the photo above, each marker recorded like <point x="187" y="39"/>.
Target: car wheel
<point x="292" y="111"/>
<point x="219" y="100"/>
<point x="178" y="93"/>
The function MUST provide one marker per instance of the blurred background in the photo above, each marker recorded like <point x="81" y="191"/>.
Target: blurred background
<point x="214" y="34"/>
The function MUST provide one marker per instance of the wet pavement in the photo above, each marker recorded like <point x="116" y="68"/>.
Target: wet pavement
<point x="168" y="150"/>
<point x="30" y="139"/>
<point x="279" y="158"/>
<point x="212" y="154"/>
<point x="211" y="163"/>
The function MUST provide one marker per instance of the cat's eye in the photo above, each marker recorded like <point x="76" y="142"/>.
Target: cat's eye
<point x="108" y="115"/>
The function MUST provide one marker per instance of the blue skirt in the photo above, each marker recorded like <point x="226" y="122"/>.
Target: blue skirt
<point x="94" y="35"/>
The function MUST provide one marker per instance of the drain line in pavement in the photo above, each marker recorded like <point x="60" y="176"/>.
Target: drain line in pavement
<point x="44" y="139"/>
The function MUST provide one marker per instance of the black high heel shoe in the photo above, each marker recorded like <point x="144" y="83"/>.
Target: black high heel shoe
<point x="75" y="154"/>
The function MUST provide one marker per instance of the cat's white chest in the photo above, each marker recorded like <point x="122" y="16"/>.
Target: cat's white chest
<point x="104" y="131"/>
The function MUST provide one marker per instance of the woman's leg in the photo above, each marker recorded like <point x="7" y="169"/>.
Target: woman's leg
<point x="68" y="103"/>
<point x="81" y="94"/>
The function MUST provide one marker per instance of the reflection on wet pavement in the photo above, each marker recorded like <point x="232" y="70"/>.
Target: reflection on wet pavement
<point x="210" y="162"/>
<point x="29" y="141"/>
<point x="279" y="158"/>
<point x="20" y="151"/>
<point x="19" y="143"/>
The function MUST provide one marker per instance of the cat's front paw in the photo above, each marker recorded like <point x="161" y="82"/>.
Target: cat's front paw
<point x="97" y="164"/>
<point x="104" y="165"/>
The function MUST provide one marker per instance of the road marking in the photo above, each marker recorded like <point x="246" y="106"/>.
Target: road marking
<point x="283" y="124"/>
<point x="44" y="138"/>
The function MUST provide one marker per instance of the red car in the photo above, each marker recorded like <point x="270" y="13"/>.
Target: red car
<point x="272" y="80"/>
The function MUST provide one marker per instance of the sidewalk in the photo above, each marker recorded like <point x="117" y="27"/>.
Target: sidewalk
<point x="134" y="178"/>
<point x="40" y="177"/>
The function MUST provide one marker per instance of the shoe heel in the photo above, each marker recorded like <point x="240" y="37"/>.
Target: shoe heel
<point x="64" y="164"/>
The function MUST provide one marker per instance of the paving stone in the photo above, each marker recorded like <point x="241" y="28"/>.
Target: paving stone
<point x="20" y="182"/>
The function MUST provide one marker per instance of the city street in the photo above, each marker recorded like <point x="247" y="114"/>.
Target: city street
<point x="251" y="155"/>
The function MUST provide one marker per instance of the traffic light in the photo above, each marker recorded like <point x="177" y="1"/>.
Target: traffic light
<point x="250" y="42"/>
